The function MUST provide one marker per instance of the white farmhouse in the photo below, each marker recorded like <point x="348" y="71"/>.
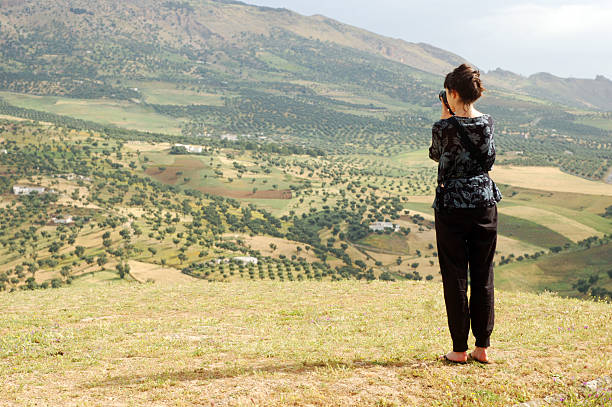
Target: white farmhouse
<point x="230" y="137"/>
<point x="23" y="190"/>
<point x="245" y="260"/>
<point x="190" y="149"/>
<point x="382" y="226"/>
<point x="62" y="221"/>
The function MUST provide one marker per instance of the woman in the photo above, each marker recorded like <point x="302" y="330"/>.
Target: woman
<point x="465" y="212"/>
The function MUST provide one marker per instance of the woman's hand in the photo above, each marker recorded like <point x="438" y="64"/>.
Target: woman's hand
<point x="445" y="112"/>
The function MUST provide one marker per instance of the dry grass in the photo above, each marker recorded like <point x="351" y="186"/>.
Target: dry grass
<point x="65" y="188"/>
<point x="278" y="344"/>
<point x="405" y="221"/>
<point x="6" y="200"/>
<point x="387" y="243"/>
<point x="146" y="147"/>
<point x="13" y="118"/>
<point x="283" y="246"/>
<point x="144" y="272"/>
<point x="428" y="199"/>
<point x="548" y="179"/>
<point x="507" y="245"/>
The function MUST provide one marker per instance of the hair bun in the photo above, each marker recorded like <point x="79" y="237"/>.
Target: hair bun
<point x="466" y="81"/>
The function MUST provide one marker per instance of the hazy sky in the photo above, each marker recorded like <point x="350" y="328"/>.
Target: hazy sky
<point x="568" y="38"/>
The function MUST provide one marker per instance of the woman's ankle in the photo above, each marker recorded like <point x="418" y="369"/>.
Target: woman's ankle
<point x="457" y="356"/>
<point x="480" y="353"/>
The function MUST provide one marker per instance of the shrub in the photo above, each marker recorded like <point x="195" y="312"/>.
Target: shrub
<point x="386" y="276"/>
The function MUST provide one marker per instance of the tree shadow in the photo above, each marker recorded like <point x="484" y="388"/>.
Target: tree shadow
<point x="225" y="372"/>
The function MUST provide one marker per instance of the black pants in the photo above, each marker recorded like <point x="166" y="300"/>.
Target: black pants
<point x="467" y="237"/>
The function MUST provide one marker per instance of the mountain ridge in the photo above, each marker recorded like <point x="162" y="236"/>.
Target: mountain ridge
<point x="49" y="46"/>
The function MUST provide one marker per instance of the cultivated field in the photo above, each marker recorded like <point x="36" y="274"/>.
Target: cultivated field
<point x="106" y="111"/>
<point x="147" y="272"/>
<point x="568" y="227"/>
<point x="168" y="94"/>
<point x="548" y="179"/>
<point x="558" y="273"/>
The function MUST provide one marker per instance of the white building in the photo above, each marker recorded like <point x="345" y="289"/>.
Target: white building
<point x="62" y="221"/>
<point x="23" y="190"/>
<point x="71" y="177"/>
<point x="190" y="149"/>
<point x="382" y="226"/>
<point x="230" y="137"/>
<point x="245" y="260"/>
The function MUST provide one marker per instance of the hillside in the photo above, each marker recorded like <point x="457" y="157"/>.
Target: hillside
<point x="189" y="30"/>
<point x="579" y="93"/>
<point x="279" y="344"/>
<point x="122" y="201"/>
<point x="259" y="59"/>
<point x="211" y="68"/>
<point x="565" y="273"/>
<point x="66" y="48"/>
<point x="74" y="48"/>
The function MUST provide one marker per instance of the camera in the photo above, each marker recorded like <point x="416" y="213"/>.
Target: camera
<point x="442" y="96"/>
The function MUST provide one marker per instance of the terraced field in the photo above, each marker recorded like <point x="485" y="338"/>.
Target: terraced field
<point x="550" y="179"/>
<point x="565" y="226"/>
<point x="124" y="114"/>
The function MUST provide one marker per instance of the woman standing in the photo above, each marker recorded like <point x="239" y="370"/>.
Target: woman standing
<point x="465" y="212"/>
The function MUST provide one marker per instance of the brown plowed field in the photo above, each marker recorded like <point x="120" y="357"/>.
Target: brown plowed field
<point x="170" y="174"/>
<point x="235" y="193"/>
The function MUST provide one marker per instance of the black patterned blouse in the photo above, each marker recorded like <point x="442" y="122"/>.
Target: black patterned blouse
<point x="466" y="183"/>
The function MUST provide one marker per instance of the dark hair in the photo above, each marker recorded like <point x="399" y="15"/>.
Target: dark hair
<point x="466" y="81"/>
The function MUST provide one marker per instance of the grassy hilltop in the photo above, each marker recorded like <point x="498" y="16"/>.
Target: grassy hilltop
<point x="278" y="344"/>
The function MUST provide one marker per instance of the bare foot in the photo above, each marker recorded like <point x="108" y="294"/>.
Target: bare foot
<point x="459" y="357"/>
<point x="480" y="354"/>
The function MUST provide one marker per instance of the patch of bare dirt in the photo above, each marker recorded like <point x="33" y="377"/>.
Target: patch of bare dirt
<point x="166" y="275"/>
<point x="236" y="193"/>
